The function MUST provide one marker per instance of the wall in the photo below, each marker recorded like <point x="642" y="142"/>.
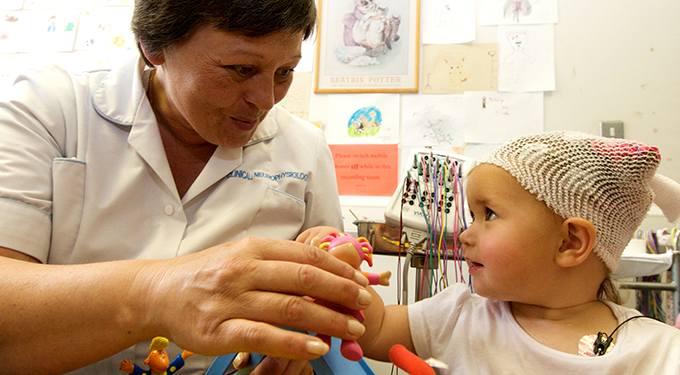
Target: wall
<point x="613" y="61"/>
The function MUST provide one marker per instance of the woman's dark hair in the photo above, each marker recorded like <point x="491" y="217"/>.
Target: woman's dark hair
<point x="158" y="24"/>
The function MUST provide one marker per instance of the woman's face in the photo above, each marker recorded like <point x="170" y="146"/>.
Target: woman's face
<point x="218" y="86"/>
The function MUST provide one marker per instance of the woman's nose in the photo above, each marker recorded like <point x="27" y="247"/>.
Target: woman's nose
<point x="261" y="93"/>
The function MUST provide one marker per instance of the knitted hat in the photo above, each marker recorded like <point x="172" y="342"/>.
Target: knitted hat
<point x="603" y="180"/>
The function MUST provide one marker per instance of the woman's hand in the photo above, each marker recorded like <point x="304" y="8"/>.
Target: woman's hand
<point x="231" y="297"/>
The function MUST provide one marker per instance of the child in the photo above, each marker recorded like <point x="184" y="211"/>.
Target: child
<point x="552" y="214"/>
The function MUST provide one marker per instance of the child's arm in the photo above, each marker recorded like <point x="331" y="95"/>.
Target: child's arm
<point x="376" y="342"/>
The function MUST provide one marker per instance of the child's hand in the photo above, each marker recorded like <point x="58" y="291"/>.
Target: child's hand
<point x="307" y="236"/>
<point x="127" y="366"/>
<point x="384" y="278"/>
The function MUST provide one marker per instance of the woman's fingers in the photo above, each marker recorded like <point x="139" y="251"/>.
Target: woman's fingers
<point x="240" y="335"/>
<point x="296" y="312"/>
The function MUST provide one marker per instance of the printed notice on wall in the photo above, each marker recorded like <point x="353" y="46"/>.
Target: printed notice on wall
<point x="370" y="170"/>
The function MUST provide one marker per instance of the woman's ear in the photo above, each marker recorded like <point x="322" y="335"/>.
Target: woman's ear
<point x="155" y="59"/>
<point x="578" y="242"/>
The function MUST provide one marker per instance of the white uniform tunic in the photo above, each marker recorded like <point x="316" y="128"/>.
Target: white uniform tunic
<point x="84" y="177"/>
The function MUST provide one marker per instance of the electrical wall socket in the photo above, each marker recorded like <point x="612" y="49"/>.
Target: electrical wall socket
<point x="611" y="129"/>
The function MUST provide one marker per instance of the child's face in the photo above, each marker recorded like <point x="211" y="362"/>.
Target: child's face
<point x="510" y="246"/>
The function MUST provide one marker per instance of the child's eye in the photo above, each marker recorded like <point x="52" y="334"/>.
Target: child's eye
<point x="490" y="215"/>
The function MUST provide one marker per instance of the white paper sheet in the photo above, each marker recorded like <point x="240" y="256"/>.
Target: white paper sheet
<point x="447" y="21"/>
<point x="52" y="4"/>
<point x="11" y="4"/>
<point x="507" y="12"/>
<point x="526" y="58"/>
<point x="298" y="96"/>
<point x="456" y="68"/>
<point x="363" y="119"/>
<point x="48" y="30"/>
<point x="496" y="117"/>
<point x="432" y="120"/>
<point x="105" y="29"/>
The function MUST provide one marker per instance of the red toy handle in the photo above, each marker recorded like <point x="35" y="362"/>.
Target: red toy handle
<point x="409" y="362"/>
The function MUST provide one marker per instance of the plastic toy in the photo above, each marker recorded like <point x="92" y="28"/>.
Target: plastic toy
<point x="353" y="252"/>
<point x="158" y="360"/>
<point x="333" y="363"/>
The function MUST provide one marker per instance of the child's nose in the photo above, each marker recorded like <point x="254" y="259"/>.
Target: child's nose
<point x="465" y="237"/>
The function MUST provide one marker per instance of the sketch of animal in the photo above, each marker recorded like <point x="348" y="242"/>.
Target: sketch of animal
<point x="376" y="32"/>
<point x="514" y="8"/>
<point x="392" y="30"/>
<point x="455" y="70"/>
<point x="447" y="69"/>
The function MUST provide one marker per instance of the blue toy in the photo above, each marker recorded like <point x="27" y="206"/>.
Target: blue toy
<point x="333" y="363"/>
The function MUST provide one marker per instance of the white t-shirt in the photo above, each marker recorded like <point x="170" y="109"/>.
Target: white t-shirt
<point x="84" y="178"/>
<point x="477" y="335"/>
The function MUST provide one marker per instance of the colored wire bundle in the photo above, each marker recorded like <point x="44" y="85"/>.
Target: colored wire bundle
<point x="435" y="183"/>
<point x="650" y="302"/>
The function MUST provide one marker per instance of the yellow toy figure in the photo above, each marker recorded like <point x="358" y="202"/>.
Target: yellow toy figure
<point x="157" y="360"/>
<point x="353" y="252"/>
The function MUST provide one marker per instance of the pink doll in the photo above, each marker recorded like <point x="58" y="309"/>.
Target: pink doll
<point x="353" y="252"/>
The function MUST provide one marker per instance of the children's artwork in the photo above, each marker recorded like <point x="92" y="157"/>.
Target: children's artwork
<point x="508" y="12"/>
<point x="496" y="117"/>
<point x="11" y="37"/>
<point x="363" y="118"/>
<point x="447" y="21"/>
<point x="368" y="46"/>
<point x="456" y="68"/>
<point x="298" y="96"/>
<point x="107" y="2"/>
<point x="105" y="28"/>
<point x="526" y="58"/>
<point x="366" y="170"/>
<point x="51" y="30"/>
<point x="433" y="120"/>
<point x="52" y="4"/>
<point x="11" y="4"/>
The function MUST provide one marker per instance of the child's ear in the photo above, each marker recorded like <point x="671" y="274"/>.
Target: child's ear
<point x="578" y="242"/>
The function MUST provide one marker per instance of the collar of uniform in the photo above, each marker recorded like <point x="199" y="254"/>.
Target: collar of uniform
<point x="267" y="128"/>
<point x="118" y="95"/>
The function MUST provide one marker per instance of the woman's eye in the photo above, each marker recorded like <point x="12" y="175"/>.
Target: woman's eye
<point x="285" y="73"/>
<point x="241" y="70"/>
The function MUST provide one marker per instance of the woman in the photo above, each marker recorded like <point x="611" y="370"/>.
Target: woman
<point x="123" y="177"/>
